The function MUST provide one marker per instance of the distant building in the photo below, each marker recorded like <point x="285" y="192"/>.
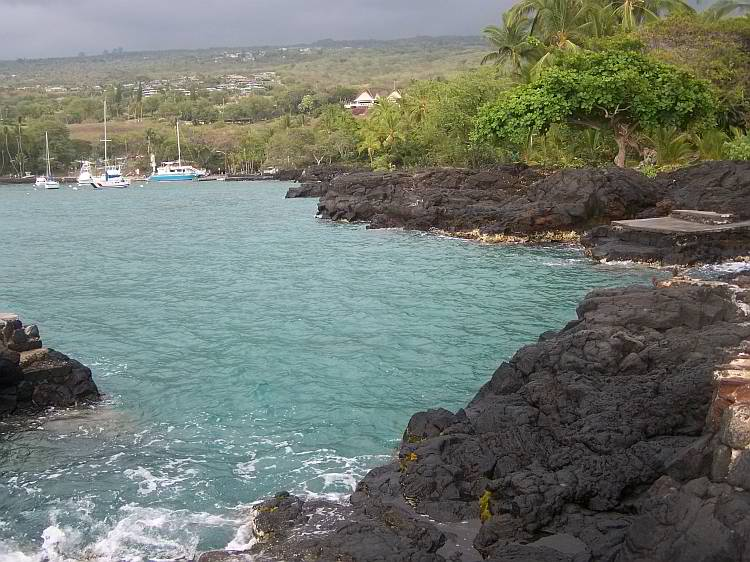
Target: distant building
<point x="365" y="101"/>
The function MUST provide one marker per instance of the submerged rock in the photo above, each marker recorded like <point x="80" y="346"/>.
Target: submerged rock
<point x="624" y="436"/>
<point x="33" y="377"/>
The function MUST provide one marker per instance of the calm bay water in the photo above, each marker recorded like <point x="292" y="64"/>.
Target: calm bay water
<point x="245" y="347"/>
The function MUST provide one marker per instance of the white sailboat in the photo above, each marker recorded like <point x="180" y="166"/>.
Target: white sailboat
<point x="175" y="171"/>
<point x="47" y="182"/>
<point x="112" y="174"/>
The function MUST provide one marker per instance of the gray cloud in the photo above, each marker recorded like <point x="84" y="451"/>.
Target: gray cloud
<point x="43" y="28"/>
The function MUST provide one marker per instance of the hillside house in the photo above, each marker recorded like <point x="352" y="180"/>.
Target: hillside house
<point x="366" y="100"/>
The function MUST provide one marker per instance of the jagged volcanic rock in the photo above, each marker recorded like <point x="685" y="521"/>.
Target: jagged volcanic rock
<point x="34" y="377"/>
<point x="316" y="180"/>
<point x="508" y="200"/>
<point x="722" y="187"/>
<point x="615" y="244"/>
<point x="519" y="202"/>
<point x="624" y="436"/>
<point x="448" y="199"/>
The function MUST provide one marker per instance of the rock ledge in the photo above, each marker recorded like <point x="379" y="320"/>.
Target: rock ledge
<point x="33" y="377"/>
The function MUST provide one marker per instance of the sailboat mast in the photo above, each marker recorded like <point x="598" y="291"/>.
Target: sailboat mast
<point x="106" y="140"/>
<point x="179" y="149"/>
<point x="46" y="144"/>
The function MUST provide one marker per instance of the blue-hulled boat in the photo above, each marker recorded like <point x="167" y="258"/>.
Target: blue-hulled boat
<point x="175" y="171"/>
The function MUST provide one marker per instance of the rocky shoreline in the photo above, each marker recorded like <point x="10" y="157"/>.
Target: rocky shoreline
<point x="518" y="203"/>
<point x="624" y="436"/>
<point x="32" y="377"/>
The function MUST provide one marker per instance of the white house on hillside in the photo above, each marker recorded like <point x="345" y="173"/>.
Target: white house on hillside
<point x="395" y="96"/>
<point x="365" y="99"/>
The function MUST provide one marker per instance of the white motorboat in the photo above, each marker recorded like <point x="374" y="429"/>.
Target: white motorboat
<point x="84" y="176"/>
<point x="112" y="178"/>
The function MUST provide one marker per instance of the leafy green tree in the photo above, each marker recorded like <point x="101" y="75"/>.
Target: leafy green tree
<point x="370" y="144"/>
<point x="253" y="148"/>
<point x="623" y="91"/>
<point x="383" y="131"/>
<point x="290" y="147"/>
<point x="442" y="114"/>
<point x="307" y="104"/>
<point x="337" y="133"/>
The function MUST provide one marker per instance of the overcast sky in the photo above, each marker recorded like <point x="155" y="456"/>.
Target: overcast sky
<point x="45" y="28"/>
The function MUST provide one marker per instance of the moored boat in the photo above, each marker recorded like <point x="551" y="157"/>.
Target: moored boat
<point x="175" y="171"/>
<point x="84" y="176"/>
<point x="112" y="176"/>
<point x="47" y="181"/>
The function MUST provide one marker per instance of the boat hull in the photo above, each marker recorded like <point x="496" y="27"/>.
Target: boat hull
<point x="176" y="177"/>
<point x="109" y="185"/>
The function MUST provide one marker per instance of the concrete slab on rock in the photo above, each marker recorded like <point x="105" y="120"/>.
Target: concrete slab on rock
<point x="674" y="225"/>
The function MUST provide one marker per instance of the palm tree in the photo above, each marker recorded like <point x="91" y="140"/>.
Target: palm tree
<point x="556" y="26"/>
<point x="415" y="108"/>
<point x="387" y="119"/>
<point x="510" y="41"/>
<point x="370" y="143"/>
<point x="672" y="147"/>
<point x="710" y="144"/>
<point x="604" y="20"/>
<point x="634" y="13"/>
<point x="559" y="24"/>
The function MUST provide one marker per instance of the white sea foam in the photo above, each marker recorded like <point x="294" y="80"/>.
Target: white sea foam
<point x="140" y="534"/>
<point x="244" y="538"/>
<point x="724" y="268"/>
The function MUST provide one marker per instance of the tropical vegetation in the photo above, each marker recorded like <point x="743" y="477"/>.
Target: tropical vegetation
<point x="649" y="83"/>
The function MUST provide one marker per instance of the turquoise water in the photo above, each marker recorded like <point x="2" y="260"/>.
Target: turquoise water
<point x="245" y="347"/>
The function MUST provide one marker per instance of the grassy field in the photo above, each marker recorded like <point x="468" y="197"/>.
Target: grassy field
<point x="217" y="134"/>
<point x="92" y="132"/>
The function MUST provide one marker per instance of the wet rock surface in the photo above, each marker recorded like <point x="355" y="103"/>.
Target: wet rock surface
<point x="33" y="377"/>
<point x="624" y="436"/>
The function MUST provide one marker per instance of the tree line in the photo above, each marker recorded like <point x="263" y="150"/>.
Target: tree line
<point x="651" y="83"/>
